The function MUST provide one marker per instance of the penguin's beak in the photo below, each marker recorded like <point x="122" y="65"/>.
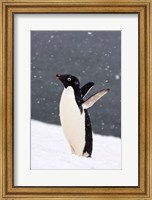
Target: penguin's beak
<point x="58" y="77"/>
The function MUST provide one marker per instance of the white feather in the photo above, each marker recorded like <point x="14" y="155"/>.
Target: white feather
<point x="72" y="121"/>
<point x="94" y="98"/>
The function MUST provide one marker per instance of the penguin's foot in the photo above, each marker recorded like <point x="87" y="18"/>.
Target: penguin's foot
<point x="86" y="154"/>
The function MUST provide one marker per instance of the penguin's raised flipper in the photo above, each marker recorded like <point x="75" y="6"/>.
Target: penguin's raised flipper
<point x="94" y="98"/>
<point x="86" y="88"/>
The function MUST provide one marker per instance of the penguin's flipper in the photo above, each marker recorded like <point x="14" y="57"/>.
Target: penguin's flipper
<point x="86" y="88"/>
<point x="91" y="100"/>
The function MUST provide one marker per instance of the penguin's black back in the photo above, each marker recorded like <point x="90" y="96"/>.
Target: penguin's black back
<point x="88" y="127"/>
<point x="88" y="136"/>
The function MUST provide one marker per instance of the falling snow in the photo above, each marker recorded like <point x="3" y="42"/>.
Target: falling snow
<point x="91" y="56"/>
<point x="117" y="76"/>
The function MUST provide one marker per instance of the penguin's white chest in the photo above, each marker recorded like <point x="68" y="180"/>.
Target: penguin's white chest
<point x="72" y="121"/>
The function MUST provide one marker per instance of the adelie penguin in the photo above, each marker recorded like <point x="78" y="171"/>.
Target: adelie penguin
<point x="74" y="117"/>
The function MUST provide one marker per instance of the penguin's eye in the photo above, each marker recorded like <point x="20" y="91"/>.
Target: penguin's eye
<point x="69" y="79"/>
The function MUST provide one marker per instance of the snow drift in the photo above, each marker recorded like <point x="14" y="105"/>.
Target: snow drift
<point x="50" y="150"/>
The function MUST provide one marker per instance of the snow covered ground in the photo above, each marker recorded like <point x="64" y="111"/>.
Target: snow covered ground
<point x="50" y="150"/>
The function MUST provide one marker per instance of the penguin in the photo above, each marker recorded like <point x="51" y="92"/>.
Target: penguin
<point x="74" y="116"/>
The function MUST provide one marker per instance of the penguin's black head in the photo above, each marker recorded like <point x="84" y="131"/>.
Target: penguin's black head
<point x="68" y="80"/>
